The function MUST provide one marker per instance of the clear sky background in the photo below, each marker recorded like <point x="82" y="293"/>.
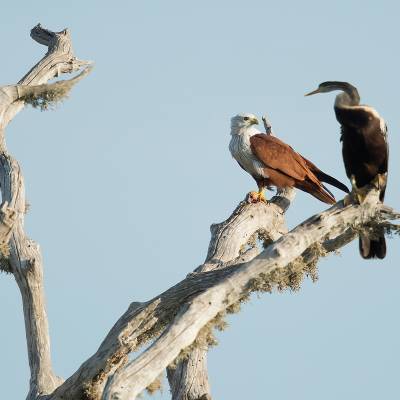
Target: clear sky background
<point x="125" y="178"/>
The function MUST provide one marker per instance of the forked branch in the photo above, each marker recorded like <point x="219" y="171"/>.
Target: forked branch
<point x="20" y="255"/>
<point x="219" y="290"/>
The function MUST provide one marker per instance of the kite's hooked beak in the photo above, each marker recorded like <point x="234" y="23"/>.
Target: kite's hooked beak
<point x="313" y="92"/>
<point x="254" y="121"/>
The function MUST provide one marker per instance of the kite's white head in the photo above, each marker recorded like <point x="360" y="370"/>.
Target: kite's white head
<point x="242" y="122"/>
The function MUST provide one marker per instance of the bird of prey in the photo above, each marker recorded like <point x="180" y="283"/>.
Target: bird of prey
<point x="272" y="162"/>
<point x="365" y="153"/>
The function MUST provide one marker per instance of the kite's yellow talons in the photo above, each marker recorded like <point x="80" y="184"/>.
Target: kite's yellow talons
<point x="252" y="197"/>
<point x="262" y="197"/>
<point x="257" y="197"/>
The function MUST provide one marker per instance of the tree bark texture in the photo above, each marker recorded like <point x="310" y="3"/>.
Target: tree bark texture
<point x="21" y="255"/>
<point x="189" y="379"/>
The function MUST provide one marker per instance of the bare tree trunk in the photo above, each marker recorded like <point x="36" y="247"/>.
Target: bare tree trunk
<point x="189" y="379"/>
<point x="250" y="251"/>
<point x="23" y="258"/>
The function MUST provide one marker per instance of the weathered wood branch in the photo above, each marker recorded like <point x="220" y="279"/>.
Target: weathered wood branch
<point x="215" y="291"/>
<point x="20" y="255"/>
<point x="228" y="239"/>
<point x="8" y="218"/>
<point x="58" y="60"/>
<point x="44" y="95"/>
<point x="188" y="379"/>
<point x="189" y="303"/>
<point x="24" y="262"/>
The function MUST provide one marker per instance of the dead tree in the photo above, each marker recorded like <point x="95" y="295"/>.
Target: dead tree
<point x="251" y="251"/>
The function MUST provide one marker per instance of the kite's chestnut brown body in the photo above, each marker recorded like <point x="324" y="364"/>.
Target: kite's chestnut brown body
<point x="272" y="162"/>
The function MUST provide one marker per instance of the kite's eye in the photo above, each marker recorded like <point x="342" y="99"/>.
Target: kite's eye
<point x="246" y="118"/>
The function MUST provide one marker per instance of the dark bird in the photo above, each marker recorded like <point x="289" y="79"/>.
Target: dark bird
<point x="272" y="162"/>
<point x="365" y="153"/>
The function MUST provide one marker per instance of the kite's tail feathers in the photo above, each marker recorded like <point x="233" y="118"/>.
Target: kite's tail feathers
<point x="327" y="190"/>
<point x="316" y="190"/>
<point x="322" y="176"/>
<point x="372" y="247"/>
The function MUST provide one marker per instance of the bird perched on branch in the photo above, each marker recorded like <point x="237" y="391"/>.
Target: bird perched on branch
<point x="365" y="153"/>
<point x="272" y="162"/>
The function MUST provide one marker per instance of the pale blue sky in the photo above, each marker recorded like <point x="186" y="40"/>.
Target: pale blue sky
<point x="135" y="166"/>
